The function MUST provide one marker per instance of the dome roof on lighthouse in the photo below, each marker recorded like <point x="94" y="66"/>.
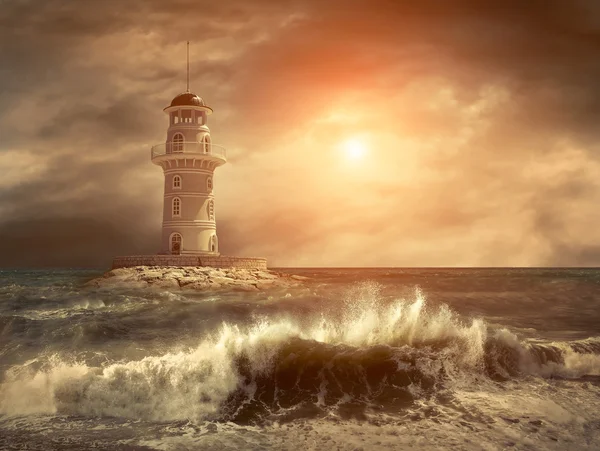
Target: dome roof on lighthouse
<point x="187" y="98"/>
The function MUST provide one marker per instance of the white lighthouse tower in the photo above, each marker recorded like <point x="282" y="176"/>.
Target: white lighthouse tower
<point x="188" y="158"/>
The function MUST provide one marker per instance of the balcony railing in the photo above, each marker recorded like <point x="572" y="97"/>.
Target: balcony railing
<point x="188" y="147"/>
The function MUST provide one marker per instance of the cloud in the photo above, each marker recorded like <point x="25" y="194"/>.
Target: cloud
<point x="480" y="118"/>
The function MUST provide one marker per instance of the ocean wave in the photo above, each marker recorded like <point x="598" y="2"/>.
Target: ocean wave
<point x="507" y="356"/>
<point x="377" y="356"/>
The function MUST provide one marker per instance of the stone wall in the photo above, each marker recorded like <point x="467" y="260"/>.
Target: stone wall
<point x="190" y="260"/>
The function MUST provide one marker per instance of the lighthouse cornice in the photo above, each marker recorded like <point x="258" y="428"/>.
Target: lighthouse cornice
<point x="206" y="109"/>
<point x="196" y="223"/>
<point x="188" y="170"/>
<point x="188" y="150"/>
<point x="211" y="161"/>
<point x="186" y="126"/>
<point x="189" y="194"/>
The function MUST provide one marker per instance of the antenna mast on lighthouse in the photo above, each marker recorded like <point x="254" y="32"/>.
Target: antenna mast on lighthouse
<point x="188" y="67"/>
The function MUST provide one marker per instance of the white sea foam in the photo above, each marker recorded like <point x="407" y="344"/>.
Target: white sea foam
<point x="549" y="358"/>
<point x="194" y="384"/>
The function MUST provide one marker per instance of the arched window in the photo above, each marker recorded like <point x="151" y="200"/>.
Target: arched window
<point x="211" y="210"/>
<point x="206" y="140"/>
<point x="176" y="243"/>
<point x="176" y="206"/>
<point x="209" y="184"/>
<point x="213" y="243"/>
<point x="177" y="145"/>
<point x="176" y="182"/>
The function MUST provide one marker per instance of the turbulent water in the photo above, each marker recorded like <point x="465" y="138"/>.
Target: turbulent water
<point x="368" y="359"/>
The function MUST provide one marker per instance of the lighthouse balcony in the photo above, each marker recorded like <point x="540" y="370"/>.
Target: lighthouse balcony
<point x="185" y="149"/>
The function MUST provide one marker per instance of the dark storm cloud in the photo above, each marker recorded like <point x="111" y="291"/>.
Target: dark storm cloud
<point x="89" y="113"/>
<point x="124" y="119"/>
<point x="67" y="186"/>
<point x="66" y="242"/>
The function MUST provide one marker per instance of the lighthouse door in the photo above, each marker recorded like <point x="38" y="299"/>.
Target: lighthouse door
<point x="176" y="244"/>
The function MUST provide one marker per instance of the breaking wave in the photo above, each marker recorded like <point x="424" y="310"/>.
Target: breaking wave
<point x="373" y="356"/>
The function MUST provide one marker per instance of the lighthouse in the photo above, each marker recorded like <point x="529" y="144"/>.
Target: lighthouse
<point x="188" y="159"/>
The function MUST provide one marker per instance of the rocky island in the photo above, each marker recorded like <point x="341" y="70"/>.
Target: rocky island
<point x="197" y="278"/>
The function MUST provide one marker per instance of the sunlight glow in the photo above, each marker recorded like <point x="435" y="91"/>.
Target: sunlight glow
<point x="354" y="149"/>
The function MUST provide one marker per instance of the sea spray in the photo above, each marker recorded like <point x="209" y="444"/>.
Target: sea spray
<point x="376" y="355"/>
<point x="507" y="356"/>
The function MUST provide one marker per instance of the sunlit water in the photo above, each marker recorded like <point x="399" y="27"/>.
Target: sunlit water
<point x="361" y="358"/>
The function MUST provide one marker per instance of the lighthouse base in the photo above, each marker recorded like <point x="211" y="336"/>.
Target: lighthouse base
<point x="220" y="261"/>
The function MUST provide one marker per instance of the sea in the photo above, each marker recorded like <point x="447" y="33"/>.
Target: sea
<point x="349" y="359"/>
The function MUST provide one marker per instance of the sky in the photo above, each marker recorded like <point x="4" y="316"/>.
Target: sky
<point x="478" y="120"/>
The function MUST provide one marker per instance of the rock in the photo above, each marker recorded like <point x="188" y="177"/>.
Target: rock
<point x="511" y="420"/>
<point x="202" y="285"/>
<point x="240" y="275"/>
<point x="195" y="278"/>
<point x="166" y="283"/>
<point x="264" y="284"/>
<point x="245" y="287"/>
<point x="187" y="280"/>
<point x="222" y="280"/>
<point x="175" y="274"/>
<point x="266" y="275"/>
<point x="117" y="272"/>
<point x="152" y="274"/>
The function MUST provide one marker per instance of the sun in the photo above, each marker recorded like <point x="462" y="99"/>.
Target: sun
<point x="354" y="149"/>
